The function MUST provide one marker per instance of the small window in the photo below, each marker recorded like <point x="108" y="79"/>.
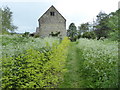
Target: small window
<point x="52" y="13"/>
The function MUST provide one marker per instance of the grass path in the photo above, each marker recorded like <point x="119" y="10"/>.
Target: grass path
<point x="71" y="78"/>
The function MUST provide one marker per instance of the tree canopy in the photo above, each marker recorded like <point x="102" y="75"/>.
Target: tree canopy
<point x="6" y="20"/>
<point x="84" y="27"/>
<point x="114" y="25"/>
<point x="72" y="31"/>
<point x="105" y="25"/>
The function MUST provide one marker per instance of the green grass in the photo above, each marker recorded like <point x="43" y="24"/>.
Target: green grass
<point x="71" y="78"/>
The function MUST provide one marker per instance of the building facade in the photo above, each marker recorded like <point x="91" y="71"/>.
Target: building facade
<point x="51" y="22"/>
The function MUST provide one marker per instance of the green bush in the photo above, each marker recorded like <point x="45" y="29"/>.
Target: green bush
<point x="26" y="34"/>
<point x="89" y="35"/>
<point x="35" y="68"/>
<point x="37" y="36"/>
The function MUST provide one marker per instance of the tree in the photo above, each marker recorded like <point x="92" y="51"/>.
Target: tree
<point x="0" y="20"/>
<point x="7" y="25"/>
<point x="113" y="24"/>
<point x="84" y="27"/>
<point x="101" y="25"/>
<point x="26" y="34"/>
<point x="89" y="35"/>
<point x="72" y="32"/>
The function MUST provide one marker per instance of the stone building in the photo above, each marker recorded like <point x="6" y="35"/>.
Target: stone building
<point x="51" y="22"/>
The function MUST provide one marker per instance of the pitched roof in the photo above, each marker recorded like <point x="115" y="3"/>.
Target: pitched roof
<point x="48" y="10"/>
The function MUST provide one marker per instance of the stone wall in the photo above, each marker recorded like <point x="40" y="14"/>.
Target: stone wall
<point x="52" y="23"/>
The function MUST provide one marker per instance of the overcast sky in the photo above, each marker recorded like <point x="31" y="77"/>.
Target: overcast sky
<point x="27" y="12"/>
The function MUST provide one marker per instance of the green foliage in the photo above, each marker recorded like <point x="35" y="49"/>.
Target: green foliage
<point x="71" y="77"/>
<point x="113" y="24"/>
<point x="89" y="35"/>
<point x="107" y="25"/>
<point x="98" y="63"/>
<point x="72" y="32"/>
<point x="0" y="21"/>
<point x="36" y="35"/>
<point x="44" y="63"/>
<point x="7" y="21"/>
<point x="84" y="27"/>
<point x="16" y="44"/>
<point x="54" y="34"/>
<point x="42" y="68"/>
<point x="26" y="34"/>
<point x="92" y="64"/>
<point x="101" y="25"/>
<point x="14" y="40"/>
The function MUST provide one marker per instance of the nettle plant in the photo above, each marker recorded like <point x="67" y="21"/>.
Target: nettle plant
<point x="42" y="68"/>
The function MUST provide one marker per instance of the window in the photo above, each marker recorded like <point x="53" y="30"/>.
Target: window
<point x="52" y="13"/>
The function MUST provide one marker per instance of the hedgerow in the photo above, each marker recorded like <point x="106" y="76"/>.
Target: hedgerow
<point x="43" y="68"/>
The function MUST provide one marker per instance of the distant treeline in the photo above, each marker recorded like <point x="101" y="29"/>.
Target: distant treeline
<point x="105" y="26"/>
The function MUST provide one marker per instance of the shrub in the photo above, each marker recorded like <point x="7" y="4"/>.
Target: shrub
<point x="37" y="35"/>
<point x="54" y="34"/>
<point x="89" y="35"/>
<point x="35" y="68"/>
<point x="26" y="34"/>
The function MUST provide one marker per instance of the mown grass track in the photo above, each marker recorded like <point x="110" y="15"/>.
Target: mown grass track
<point x="72" y="77"/>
